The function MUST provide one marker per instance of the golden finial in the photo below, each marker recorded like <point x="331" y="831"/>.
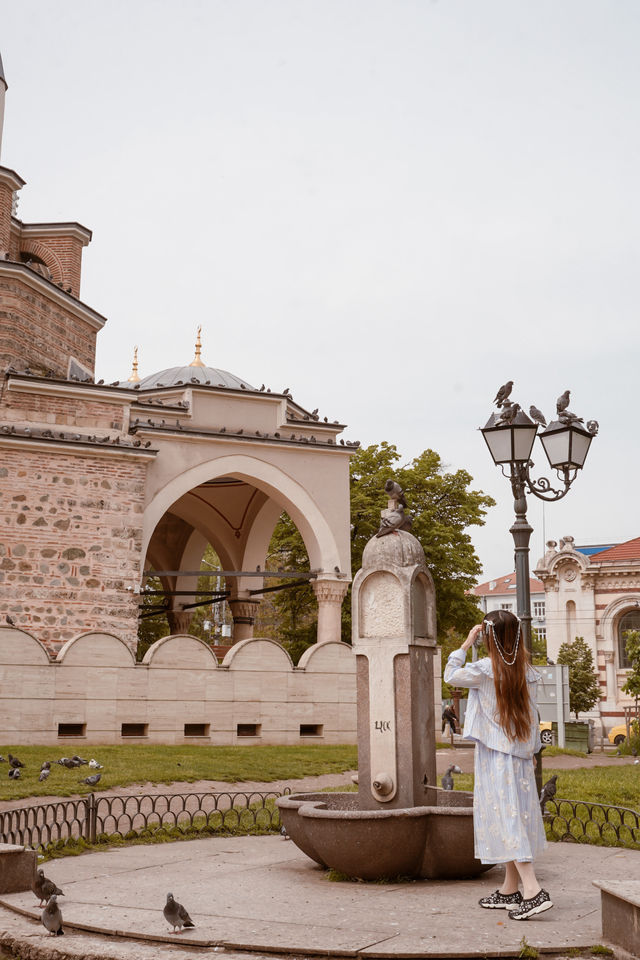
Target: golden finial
<point x="134" y="378"/>
<point x="197" y="360"/>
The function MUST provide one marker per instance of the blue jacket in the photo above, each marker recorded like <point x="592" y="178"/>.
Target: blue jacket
<point x="481" y="719"/>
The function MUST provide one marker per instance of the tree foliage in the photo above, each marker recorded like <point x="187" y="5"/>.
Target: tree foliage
<point x="584" y="687"/>
<point x="632" y="649"/>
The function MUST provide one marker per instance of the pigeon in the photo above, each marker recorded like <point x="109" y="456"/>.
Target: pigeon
<point x="537" y="415"/>
<point x="509" y="413"/>
<point x="503" y="393"/>
<point x="78" y="759"/>
<point x="44" y="773"/>
<point x="562" y="402"/>
<point x="548" y="791"/>
<point x="283" y="833"/>
<point x="69" y="763"/>
<point x="93" y="780"/>
<point x="593" y="426"/>
<point x="2" y="759"/>
<point x="393" y="521"/>
<point x="10" y="621"/>
<point x="95" y="765"/>
<point x="45" y="888"/>
<point x="394" y="491"/>
<point x="52" y="917"/>
<point x="176" y="915"/>
<point x="566" y="416"/>
<point x="14" y="773"/>
<point x="447" y="779"/>
<point x="15" y="762"/>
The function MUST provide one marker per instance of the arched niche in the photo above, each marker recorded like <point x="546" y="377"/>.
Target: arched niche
<point x="381" y="605"/>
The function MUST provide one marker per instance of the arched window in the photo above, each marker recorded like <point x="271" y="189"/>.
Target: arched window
<point x="628" y="621"/>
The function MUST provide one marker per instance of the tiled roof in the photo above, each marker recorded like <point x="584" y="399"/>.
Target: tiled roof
<point x="504" y="585"/>
<point x="624" y="551"/>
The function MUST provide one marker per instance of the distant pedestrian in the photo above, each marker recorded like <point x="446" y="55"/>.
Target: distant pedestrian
<point x="449" y="716"/>
<point x="502" y="720"/>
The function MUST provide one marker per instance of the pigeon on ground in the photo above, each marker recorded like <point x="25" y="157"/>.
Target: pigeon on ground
<point x="537" y="415"/>
<point x="503" y="393"/>
<point x="91" y="780"/>
<point x="46" y="764"/>
<point x="562" y="402"/>
<point x="283" y="833"/>
<point x="15" y="762"/>
<point x="69" y="763"/>
<point x="3" y="759"/>
<point x="548" y="791"/>
<point x="78" y="759"/>
<point x="94" y="763"/>
<point x="14" y="773"/>
<point x="52" y="917"/>
<point x="44" y="773"/>
<point x="176" y="915"/>
<point x="44" y="888"/>
<point x="447" y="779"/>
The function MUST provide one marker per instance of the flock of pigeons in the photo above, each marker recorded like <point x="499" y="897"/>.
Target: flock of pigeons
<point x="47" y="892"/>
<point x="71" y="763"/>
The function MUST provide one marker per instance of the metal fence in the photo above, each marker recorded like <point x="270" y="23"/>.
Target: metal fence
<point x="96" y="817"/>
<point x="581" y="821"/>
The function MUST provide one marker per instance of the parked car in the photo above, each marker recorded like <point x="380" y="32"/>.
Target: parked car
<point x="546" y="733"/>
<point x="618" y="735"/>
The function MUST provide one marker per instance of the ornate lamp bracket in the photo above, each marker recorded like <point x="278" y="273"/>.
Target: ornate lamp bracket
<point x="522" y="482"/>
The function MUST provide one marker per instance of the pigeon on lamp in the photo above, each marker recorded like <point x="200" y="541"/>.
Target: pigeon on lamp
<point x="537" y="415"/>
<point x="447" y="779"/>
<point x="593" y="426"/>
<point x="52" y="917"/>
<point x="509" y="413"/>
<point x="176" y="915"/>
<point x="566" y="416"/>
<point x="503" y="393"/>
<point x="44" y="888"/>
<point x="548" y="791"/>
<point x="15" y="763"/>
<point x="92" y="780"/>
<point x="562" y="402"/>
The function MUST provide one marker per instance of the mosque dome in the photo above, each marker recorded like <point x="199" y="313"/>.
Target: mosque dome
<point x="191" y="374"/>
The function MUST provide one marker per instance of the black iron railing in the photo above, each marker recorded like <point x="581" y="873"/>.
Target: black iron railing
<point x="93" y="818"/>
<point x="582" y="821"/>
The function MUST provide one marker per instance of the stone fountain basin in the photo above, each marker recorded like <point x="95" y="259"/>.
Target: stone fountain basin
<point x="434" y="841"/>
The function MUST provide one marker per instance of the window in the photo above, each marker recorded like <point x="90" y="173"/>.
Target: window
<point x="628" y="621"/>
<point x="541" y="633"/>
<point x="538" y="608"/>
<point x="506" y="606"/>
<point x="196" y="729"/>
<point x="72" y="729"/>
<point x="134" y="730"/>
<point x="248" y="729"/>
<point x="311" y="729"/>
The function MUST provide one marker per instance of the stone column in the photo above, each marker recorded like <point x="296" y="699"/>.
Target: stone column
<point x="610" y="674"/>
<point x="179" y="620"/>
<point x="243" y="612"/>
<point x="10" y="182"/>
<point x="329" y="594"/>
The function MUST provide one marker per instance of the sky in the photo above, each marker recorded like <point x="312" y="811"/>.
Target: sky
<point x="391" y="208"/>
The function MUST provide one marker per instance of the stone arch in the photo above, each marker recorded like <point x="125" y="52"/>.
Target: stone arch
<point x="611" y="616"/>
<point x="570" y="620"/>
<point x="47" y="256"/>
<point x="97" y="649"/>
<point x="279" y="486"/>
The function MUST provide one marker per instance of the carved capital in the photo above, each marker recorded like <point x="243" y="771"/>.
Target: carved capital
<point x="179" y="620"/>
<point x="608" y="656"/>
<point x="330" y="591"/>
<point x="244" y="611"/>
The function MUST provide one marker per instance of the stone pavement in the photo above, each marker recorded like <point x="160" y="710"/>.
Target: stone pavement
<point x="262" y="894"/>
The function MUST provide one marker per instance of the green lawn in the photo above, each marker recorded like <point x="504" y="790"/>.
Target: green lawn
<point x="619" y="786"/>
<point x="129" y="763"/>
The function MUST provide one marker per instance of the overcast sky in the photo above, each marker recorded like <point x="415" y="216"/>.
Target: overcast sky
<point x="389" y="207"/>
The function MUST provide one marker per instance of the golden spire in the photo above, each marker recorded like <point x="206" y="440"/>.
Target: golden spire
<point x="134" y="378"/>
<point x="197" y="360"/>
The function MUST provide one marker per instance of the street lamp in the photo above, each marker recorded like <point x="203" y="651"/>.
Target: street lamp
<point x="510" y="435"/>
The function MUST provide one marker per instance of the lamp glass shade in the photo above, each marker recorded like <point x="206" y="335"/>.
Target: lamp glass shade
<point x="566" y="445"/>
<point x="510" y="443"/>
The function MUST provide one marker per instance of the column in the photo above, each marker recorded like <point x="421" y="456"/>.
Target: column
<point x="243" y="612"/>
<point x="610" y="673"/>
<point x="179" y="620"/>
<point x="329" y="594"/>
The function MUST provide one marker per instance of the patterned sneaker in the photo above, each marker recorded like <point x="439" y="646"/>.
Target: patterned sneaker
<point x="501" y="901"/>
<point x="529" y="908"/>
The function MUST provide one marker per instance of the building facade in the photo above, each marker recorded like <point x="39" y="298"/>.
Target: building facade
<point x="500" y="594"/>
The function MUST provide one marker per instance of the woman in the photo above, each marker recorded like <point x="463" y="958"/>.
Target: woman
<point x="502" y="719"/>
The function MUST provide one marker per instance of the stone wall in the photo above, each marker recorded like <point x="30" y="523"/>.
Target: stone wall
<point x="94" y="687"/>
<point x="70" y="542"/>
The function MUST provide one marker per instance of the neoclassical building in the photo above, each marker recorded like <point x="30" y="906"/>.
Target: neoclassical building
<point x="100" y="483"/>
<point x="596" y="597"/>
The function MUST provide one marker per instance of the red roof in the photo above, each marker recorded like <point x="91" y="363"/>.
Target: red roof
<point x="624" y="551"/>
<point x="505" y="584"/>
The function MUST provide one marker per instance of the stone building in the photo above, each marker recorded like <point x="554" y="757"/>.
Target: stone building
<point x="102" y="482"/>
<point x="596" y="597"/>
<point x="500" y="594"/>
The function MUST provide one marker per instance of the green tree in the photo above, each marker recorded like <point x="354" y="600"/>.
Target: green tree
<point x="584" y="687"/>
<point x="442" y="507"/>
<point x="632" y="648"/>
<point x="538" y="648"/>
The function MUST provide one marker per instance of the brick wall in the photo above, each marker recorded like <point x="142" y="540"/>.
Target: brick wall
<point x="39" y="333"/>
<point x="44" y="409"/>
<point x="70" y="541"/>
<point x="67" y="251"/>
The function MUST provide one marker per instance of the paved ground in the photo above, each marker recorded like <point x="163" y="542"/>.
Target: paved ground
<point x="263" y="894"/>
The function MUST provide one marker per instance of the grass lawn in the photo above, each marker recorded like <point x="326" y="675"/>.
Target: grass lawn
<point x="134" y="763"/>
<point x="619" y="786"/>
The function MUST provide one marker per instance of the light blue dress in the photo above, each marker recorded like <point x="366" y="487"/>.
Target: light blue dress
<point x="507" y="820"/>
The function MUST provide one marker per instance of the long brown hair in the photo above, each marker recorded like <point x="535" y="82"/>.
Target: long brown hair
<point x="510" y="679"/>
